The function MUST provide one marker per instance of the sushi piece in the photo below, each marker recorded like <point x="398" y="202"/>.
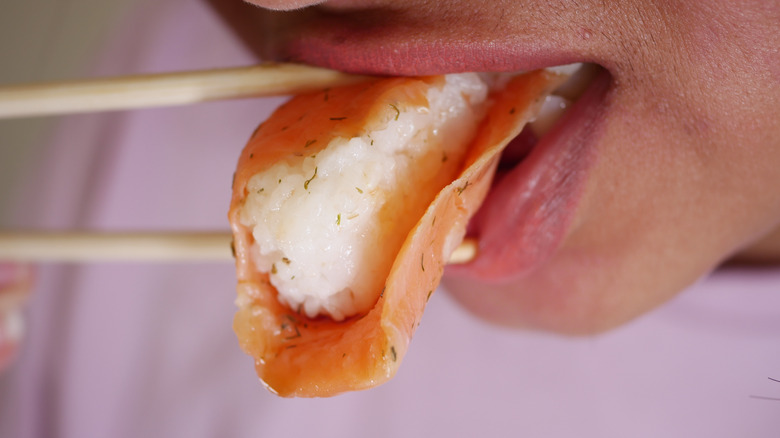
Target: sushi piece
<point x="328" y="220"/>
<point x="346" y="206"/>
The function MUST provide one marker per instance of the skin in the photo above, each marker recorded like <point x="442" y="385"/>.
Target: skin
<point x="687" y="163"/>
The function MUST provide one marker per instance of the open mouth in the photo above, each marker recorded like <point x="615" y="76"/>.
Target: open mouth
<point x="532" y="204"/>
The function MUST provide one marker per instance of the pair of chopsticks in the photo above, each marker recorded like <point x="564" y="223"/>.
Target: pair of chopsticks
<point x="146" y="91"/>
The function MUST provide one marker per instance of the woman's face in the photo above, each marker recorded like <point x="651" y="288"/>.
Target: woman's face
<point x="666" y="166"/>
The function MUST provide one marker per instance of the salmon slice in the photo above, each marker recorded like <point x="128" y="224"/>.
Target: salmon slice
<point x="296" y="355"/>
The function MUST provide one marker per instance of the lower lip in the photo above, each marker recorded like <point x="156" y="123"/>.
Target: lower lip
<point x="527" y="214"/>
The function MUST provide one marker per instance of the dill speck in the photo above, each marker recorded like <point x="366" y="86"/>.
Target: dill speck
<point x="285" y="128"/>
<point x="286" y="260"/>
<point x="433" y="223"/>
<point x="512" y="111"/>
<point x="290" y="346"/>
<point x="343" y="355"/>
<point x="261" y="190"/>
<point x="443" y="157"/>
<point x="296" y="335"/>
<point x="291" y="323"/>
<point x="251" y="156"/>
<point x="422" y="261"/>
<point x="392" y="351"/>
<point x="292" y="278"/>
<point x="461" y="189"/>
<point x="338" y="219"/>
<point x="397" y="111"/>
<point x="359" y="191"/>
<point x="430" y="292"/>
<point x="306" y="183"/>
<point x="338" y="118"/>
<point x="273" y="269"/>
<point x="310" y="142"/>
<point x="233" y="248"/>
<point x="280" y="181"/>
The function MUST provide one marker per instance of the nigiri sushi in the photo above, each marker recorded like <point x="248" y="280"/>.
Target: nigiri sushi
<point x="346" y="206"/>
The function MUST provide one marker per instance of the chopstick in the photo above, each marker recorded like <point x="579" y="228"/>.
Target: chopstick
<point x="144" y="91"/>
<point x="35" y="246"/>
<point x="153" y="90"/>
<point x="162" y="246"/>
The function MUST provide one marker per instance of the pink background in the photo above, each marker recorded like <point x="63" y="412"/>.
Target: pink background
<point x="129" y="350"/>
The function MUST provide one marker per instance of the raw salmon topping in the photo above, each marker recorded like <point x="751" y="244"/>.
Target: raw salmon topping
<point x="412" y="200"/>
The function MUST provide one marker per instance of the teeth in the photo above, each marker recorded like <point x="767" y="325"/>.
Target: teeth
<point x="555" y="105"/>
<point x="566" y="70"/>
<point x="552" y="110"/>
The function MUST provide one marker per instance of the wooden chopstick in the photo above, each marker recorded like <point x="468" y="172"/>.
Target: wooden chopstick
<point x="36" y="246"/>
<point x="143" y="91"/>
<point x="98" y="246"/>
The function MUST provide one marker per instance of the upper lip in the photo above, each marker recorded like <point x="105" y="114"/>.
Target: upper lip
<point x="388" y="42"/>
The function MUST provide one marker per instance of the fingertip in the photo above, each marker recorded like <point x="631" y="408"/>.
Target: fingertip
<point x="16" y="280"/>
<point x="11" y="334"/>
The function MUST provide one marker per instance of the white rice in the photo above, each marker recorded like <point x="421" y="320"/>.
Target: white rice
<point x="328" y="227"/>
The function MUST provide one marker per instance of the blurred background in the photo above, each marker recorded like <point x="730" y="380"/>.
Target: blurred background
<point x="127" y="350"/>
<point x="45" y="40"/>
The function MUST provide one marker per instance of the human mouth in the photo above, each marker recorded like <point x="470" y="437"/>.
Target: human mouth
<point x="533" y="201"/>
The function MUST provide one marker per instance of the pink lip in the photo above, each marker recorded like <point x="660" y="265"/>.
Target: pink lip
<point x="527" y="214"/>
<point x="380" y="43"/>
